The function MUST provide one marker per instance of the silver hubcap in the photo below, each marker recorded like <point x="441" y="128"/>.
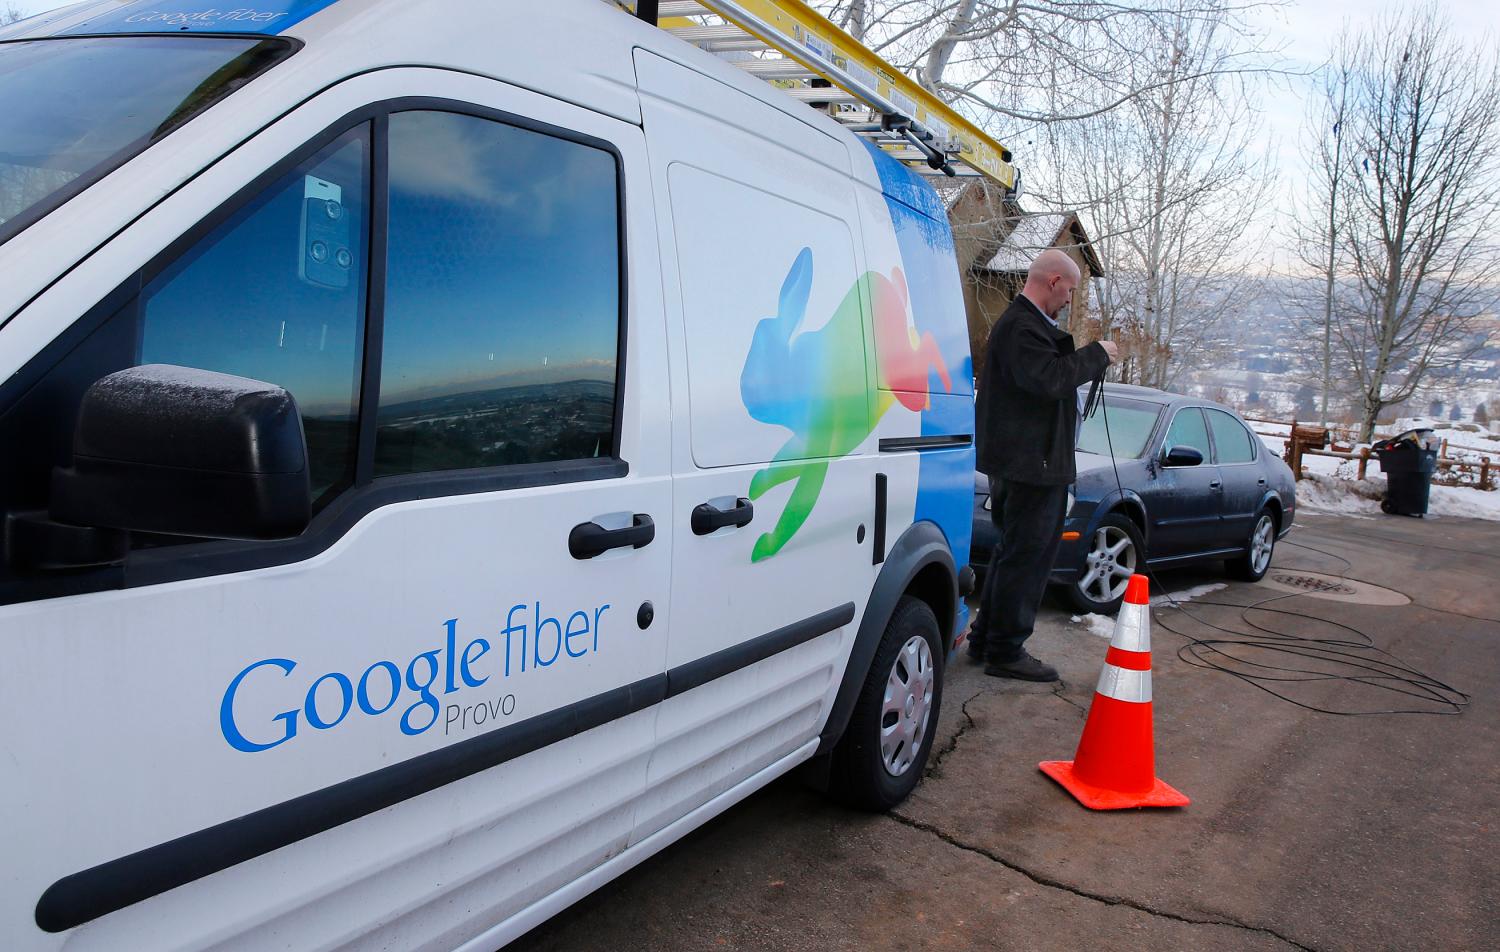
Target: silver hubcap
<point x="908" y="703"/>
<point x="1109" y="565"/>
<point x="1261" y="544"/>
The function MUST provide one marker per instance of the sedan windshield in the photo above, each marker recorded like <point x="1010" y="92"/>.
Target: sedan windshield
<point x="72" y="110"/>
<point x="1130" y="426"/>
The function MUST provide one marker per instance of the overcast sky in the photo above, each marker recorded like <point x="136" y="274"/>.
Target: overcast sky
<point x="1303" y="29"/>
<point x="1306" y="30"/>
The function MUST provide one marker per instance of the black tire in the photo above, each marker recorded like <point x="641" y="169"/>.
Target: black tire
<point x="1112" y="527"/>
<point x="1250" y="567"/>
<point x="859" y="776"/>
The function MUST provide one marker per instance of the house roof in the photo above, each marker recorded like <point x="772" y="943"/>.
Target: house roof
<point x="1036" y="232"/>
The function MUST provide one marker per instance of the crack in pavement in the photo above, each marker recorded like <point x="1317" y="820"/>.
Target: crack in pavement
<point x="937" y="757"/>
<point x="936" y="762"/>
<point x="1057" y="692"/>
<point x="1050" y="883"/>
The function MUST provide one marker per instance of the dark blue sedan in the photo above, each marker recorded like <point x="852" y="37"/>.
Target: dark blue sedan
<point x="1194" y="484"/>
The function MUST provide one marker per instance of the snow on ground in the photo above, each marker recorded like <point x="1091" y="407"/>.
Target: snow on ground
<point x="1453" y="429"/>
<point x="1265" y="429"/>
<point x="1104" y="625"/>
<point x="1332" y="485"/>
<point x="1464" y="501"/>
<point x="1173" y="599"/>
<point x="1101" y="625"/>
<point x="1325" y="492"/>
<point x="1465" y="440"/>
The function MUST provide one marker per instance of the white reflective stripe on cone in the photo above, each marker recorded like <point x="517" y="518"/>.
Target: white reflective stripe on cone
<point x="1123" y="684"/>
<point x="1133" y="628"/>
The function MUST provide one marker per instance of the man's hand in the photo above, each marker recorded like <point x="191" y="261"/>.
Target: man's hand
<point x="1111" y="349"/>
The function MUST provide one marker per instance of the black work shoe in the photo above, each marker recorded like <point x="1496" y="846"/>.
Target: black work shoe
<point x="1024" y="668"/>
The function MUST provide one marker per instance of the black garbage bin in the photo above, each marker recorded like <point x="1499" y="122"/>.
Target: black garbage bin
<point x="1408" y="466"/>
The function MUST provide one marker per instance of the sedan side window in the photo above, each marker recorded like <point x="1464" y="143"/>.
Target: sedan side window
<point x="1188" y="429"/>
<point x="1231" y="437"/>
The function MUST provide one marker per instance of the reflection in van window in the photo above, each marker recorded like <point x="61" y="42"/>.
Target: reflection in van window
<point x="276" y="293"/>
<point x="76" y="107"/>
<point x="502" y="308"/>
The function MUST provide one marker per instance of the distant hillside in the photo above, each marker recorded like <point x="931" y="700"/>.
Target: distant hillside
<point x="1273" y="366"/>
<point x="455" y="403"/>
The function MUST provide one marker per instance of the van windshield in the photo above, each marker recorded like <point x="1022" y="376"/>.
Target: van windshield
<point x="72" y="110"/>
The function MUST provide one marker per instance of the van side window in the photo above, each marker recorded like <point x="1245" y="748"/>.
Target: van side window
<point x="1231" y="438"/>
<point x="1188" y="429"/>
<point x="502" y="308"/>
<point x="277" y="293"/>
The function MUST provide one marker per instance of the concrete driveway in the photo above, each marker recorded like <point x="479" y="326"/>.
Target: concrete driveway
<point x="1307" y="830"/>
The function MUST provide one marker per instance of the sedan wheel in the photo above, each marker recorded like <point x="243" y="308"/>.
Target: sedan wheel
<point x="1261" y="544"/>
<point x="1115" y="553"/>
<point x="1252" y="566"/>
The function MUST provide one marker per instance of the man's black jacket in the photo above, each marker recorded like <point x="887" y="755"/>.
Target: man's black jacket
<point x="1027" y="412"/>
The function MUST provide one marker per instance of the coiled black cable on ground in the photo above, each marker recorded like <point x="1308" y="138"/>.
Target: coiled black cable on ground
<point x="1353" y="658"/>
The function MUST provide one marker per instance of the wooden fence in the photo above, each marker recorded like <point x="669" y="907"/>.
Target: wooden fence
<point x="1311" y="440"/>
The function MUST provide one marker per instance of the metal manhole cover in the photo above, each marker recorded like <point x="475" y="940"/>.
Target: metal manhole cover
<point x="1313" y="583"/>
<point x="1335" y="588"/>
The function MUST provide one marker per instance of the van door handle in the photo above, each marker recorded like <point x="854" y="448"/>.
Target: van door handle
<point x="710" y="518"/>
<point x="589" y="539"/>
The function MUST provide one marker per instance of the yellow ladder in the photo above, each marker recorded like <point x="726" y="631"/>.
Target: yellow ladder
<point x="797" y="49"/>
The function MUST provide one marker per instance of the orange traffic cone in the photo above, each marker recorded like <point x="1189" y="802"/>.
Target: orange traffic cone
<point x="1115" y="766"/>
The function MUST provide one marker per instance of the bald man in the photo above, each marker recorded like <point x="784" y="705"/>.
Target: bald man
<point x="1027" y="424"/>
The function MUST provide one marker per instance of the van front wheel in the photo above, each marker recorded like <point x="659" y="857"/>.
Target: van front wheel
<point x="883" y="752"/>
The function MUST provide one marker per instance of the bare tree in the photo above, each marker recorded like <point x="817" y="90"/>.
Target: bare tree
<point x="1317" y="245"/>
<point x="1139" y="121"/>
<point x="1172" y="193"/>
<point x="1314" y="228"/>
<point x="854" y="19"/>
<point x="1038" y="61"/>
<point x="10" y="13"/>
<point x="1416" y="209"/>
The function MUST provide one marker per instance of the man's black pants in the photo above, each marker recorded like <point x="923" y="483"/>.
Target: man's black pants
<point x="1029" y="518"/>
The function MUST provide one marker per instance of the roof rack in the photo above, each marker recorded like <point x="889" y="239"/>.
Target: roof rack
<point x="796" y="49"/>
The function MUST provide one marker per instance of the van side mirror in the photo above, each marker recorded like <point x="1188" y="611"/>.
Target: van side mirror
<point x="180" y="451"/>
<point x="1182" y="456"/>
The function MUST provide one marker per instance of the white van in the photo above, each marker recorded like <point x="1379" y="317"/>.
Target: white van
<point x="448" y="451"/>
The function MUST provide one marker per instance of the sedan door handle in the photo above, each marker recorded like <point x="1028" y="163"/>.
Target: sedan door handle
<point x="1261" y="481"/>
<point x="1216" y="484"/>
<point x="589" y="539"/>
<point x="710" y="518"/>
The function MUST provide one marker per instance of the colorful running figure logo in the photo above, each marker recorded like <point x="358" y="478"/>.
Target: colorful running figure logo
<point x="814" y="384"/>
